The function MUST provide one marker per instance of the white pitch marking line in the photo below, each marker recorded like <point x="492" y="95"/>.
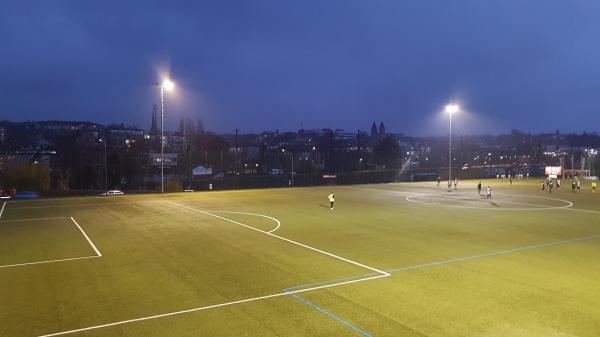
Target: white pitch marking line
<point x="210" y="307"/>
<point x="460" y="259"/>
<point x="412" y="194"/>
<point x="385" y="191"/>
<point x="87" y="238"/>
<point x="540" y="208"/>
<point x="281" y="238"/>
<point x="37" y="219"/>
<point x="90" y="204"/>
<point x="255" y="214"/>
<point x="584" y="210"/>
<point x="48" y="261"/>
<point x="466" y="258"/>
<point x="2" y="210"/>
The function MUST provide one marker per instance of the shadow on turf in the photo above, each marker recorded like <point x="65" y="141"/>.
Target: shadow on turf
<point x="323" y="205"/>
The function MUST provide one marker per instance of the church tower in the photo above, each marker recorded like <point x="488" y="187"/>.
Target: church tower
<point x="381" y="129"/>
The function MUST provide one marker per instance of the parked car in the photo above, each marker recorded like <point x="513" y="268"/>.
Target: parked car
<point x="8" y="194"/>
<point x="112" y="192"/>
<point x="275" y="172"/>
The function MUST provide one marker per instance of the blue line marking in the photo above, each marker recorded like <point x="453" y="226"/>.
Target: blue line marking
<point x="349" y="278"/>
<point x="316" y="307"/>
<point x="421" y="266"/>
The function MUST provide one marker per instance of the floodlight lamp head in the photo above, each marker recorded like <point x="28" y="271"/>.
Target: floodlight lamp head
<point x="168" y="85"/>
<point x="452" y="108"/>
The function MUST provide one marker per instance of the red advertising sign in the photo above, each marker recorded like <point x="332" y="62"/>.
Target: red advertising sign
<point x="553" y="170"/>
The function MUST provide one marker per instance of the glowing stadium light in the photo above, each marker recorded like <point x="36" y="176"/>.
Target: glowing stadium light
<point x="452" y="108"/>
<point x="168" y="85"/>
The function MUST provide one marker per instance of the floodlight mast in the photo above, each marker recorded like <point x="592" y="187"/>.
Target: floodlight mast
<point x="164" y="85"/>
<point x="450" y="109"/>
<point x="105" y="168"/>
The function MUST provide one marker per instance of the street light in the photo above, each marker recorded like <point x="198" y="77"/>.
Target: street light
<point x="168" y="86"/>
<point x="450" y="109"/>
<point x="291" y="182"/>
<point x="105" y="168"/>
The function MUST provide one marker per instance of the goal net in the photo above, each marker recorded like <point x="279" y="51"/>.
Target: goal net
<point x="581" y="174"/>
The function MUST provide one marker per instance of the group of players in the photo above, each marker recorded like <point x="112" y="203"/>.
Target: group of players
<point x="547" y="183"/>
<point x="575" y="185"/>
<point x="488" y="189"/>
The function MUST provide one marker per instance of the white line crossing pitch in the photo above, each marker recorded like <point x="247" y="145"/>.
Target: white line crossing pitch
<point x="209" y="307"/>
<point x="48" y="261"/>
<point x="290" y="292"/>
<point x="87" y="238"/>
<point x="89" y="204"/>
<point x="2" y="210"/>
<point x="37" y="219"/>
<point x="281" y="238"/>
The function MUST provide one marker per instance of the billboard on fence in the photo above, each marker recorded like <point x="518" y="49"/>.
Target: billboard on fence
<point x="553" y="170"/>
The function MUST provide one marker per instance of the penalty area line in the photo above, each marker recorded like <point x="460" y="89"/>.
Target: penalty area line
<point x="281" y="238"/>
<point x="98" y="254"/>
<point x="2" y="210"/>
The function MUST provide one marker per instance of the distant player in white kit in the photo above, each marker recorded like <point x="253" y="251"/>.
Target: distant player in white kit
<point x="331" y="198"/>
<point x="488" y="193"/>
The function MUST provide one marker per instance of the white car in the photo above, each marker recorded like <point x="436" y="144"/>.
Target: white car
<point x="112" y="192"/>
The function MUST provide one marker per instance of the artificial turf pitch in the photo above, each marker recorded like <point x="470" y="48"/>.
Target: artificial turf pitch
<point x="408" y="259"/>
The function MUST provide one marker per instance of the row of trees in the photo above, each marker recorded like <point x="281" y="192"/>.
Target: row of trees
<point x="26" y="177"/>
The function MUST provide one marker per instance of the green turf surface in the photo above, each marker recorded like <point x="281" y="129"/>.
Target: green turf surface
<point x="524" y="263"/>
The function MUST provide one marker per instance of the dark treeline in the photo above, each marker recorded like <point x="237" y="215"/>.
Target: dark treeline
<point x="63" y="156"/>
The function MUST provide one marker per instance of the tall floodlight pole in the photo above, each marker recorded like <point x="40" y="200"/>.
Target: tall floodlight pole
<point x="165" y="85"/>
<point x="162" y="127"/>
<point x="105" y="169"/>
<point x="450" y="109"/>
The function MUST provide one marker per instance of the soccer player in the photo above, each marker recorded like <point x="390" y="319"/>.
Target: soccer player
<point x="550" y="186"/>
<point x="542" y="186"/>
<point x="557" y="184"/>
<point x="331" y="198"/>
<point x="455" y="182"/>
<point x="439" y="180"/>
<point x="594" y="185"/>
<point x="479" y="188"/>
<point x="573" y="185"/>
<point x="488" y="193"/>
<point x="578" y="184"/>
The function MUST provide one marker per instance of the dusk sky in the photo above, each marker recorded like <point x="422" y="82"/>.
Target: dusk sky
<point x="265" y="65"/>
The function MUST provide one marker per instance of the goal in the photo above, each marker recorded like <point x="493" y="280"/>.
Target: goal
<point x="581" y="174"/>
